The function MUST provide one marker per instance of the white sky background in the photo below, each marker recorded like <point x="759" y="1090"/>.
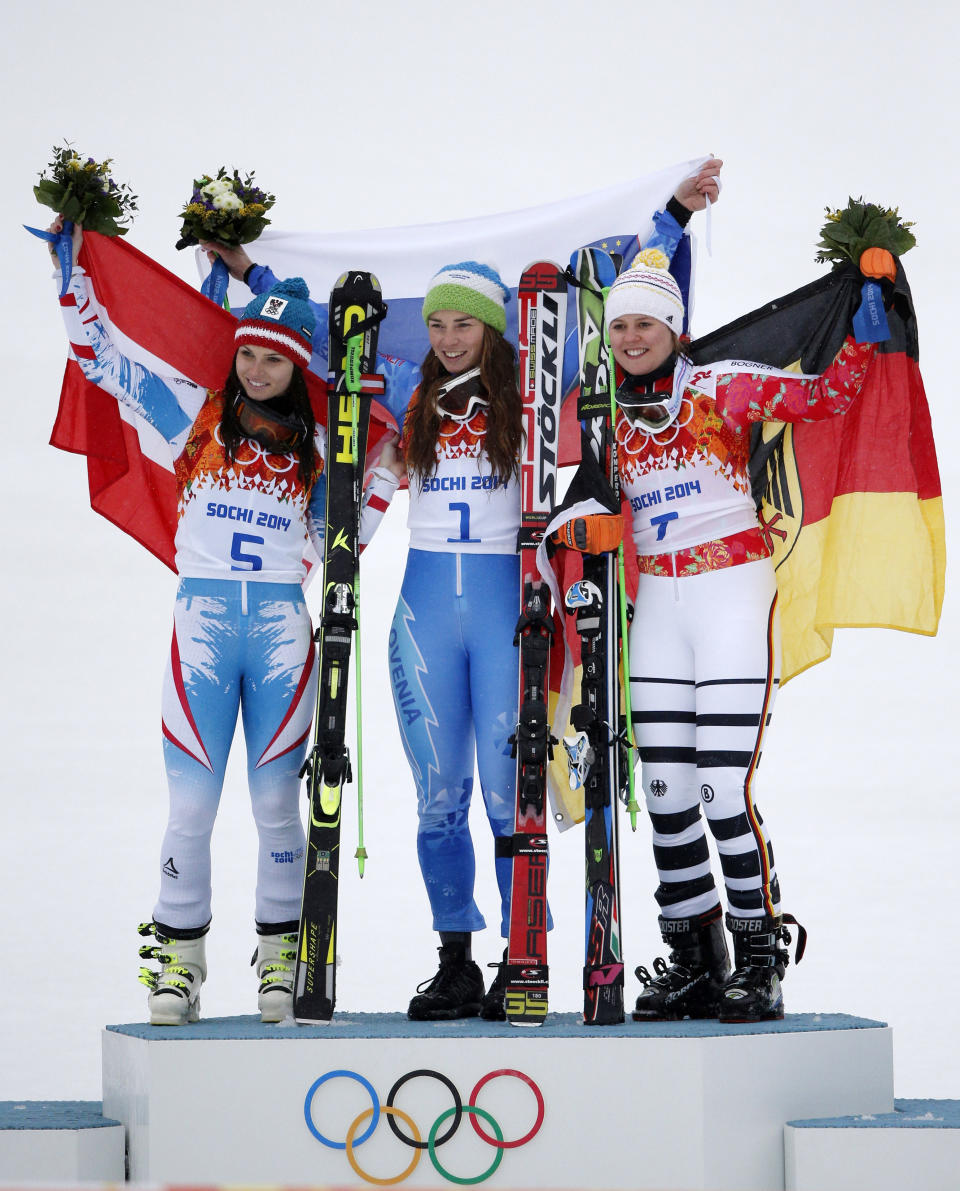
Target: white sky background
<point x="416" y="113"/>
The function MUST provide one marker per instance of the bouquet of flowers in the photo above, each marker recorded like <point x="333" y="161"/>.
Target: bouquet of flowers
<point x="852" y="232"/>
<point x="83" y="191"/>
<point x="229" y="209"/>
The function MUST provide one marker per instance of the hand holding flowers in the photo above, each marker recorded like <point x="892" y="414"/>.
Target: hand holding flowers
<point x="851" y="232"/>
<point x="227" y="209"/>
<point x="82" y="193"/>
<point x="871" y="238"/>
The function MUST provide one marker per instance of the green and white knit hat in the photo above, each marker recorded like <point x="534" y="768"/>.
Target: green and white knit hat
<point x="647" y="288"/>
<point x="472" y="288"/>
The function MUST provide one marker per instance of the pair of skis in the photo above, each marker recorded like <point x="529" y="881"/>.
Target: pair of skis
<point x="598" y="760"/>
<point x="356" y="309"/>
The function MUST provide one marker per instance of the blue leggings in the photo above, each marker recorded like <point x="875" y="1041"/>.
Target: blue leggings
<point x="455" y="678"/>
<point x="238" y="647"/>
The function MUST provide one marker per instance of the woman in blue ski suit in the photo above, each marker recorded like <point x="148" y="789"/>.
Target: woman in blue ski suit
<point x="248" y="462"/>
<point x="453" y="665"/>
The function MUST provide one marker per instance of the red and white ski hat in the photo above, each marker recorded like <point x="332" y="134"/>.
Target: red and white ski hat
<point x="470" y="287"/>
<point x="281" y="319"/>
<point x="647" y="288"/>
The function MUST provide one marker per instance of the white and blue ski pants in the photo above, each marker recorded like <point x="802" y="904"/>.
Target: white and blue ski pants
<point x="704" y="672"/>
<point x="455" y="675"/>
<point x="237" y="647"/>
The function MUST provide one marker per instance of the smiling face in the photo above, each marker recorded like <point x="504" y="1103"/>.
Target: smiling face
<point x="263" y="373"/>
<point x="640" y="344"/>
<point x="456" y="339"/>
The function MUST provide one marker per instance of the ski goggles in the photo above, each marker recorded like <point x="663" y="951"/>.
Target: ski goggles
<point x="460" y="397"/>
<point x="277" y="432"/>
<point x="652" y="410"/>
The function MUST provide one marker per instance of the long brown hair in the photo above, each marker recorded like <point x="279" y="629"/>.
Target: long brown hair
<point x="296" y="398"/>
<point x="504" y="434"/>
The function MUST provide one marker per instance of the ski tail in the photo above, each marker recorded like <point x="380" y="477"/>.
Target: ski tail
<point x="542" y="302"/>
<point x="356" y="309"/>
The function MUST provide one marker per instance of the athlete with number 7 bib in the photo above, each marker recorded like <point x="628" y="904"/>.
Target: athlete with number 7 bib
<point x="705" y="639"/>
<point x="248" y="461"/>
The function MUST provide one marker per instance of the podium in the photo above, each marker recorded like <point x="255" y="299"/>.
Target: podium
<point x="681" y="1105"/>
<point x="805" y="1104"/>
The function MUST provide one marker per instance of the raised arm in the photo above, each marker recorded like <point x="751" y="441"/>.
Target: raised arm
<point x="748" y="393"/>
<point x="169" y="404"/>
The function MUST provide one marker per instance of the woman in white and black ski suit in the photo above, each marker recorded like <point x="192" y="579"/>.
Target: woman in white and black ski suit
<point x="248" y="462"/>
<point x="704" y="642"/>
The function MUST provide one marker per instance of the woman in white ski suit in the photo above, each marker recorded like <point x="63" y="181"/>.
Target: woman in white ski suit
<point x="704" y="643"/>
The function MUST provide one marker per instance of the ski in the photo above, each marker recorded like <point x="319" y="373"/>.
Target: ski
<point x="356" y="309"/>
<point x="542" y="306"/>
<point x="594" y="752"/>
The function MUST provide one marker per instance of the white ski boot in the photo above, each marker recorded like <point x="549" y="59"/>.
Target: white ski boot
<point x="174" y="997"/>
<point x="275" y="958"/>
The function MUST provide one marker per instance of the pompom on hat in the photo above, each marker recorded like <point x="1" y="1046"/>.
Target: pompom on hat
<point x="281" y="319"/>
<point x="647" y="288"/>
<point x="470" y="287"/>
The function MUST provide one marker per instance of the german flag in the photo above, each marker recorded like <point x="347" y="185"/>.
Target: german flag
<point x="851" y="506"/>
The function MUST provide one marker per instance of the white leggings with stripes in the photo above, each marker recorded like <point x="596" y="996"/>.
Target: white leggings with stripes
<point x="704" y="671"/>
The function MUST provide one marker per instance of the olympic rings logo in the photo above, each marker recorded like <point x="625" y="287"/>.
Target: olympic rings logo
<point x="413" y="1137"/>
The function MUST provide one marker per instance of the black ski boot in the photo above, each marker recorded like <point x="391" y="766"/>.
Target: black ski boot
<point x="690" y="986"/>
<point x="493" y="1007"/>
<point x="455" y="991"/>
<point x="753" y="992"/>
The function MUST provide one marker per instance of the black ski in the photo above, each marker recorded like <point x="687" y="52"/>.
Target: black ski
<point x="596" y="756"/>
<point x="356" y="309"/>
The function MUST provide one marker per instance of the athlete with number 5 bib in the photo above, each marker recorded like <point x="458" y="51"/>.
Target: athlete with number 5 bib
<point x="248" y="462"/>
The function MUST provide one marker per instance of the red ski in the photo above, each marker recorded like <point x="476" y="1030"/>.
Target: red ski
<point x="542" y="302"/>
